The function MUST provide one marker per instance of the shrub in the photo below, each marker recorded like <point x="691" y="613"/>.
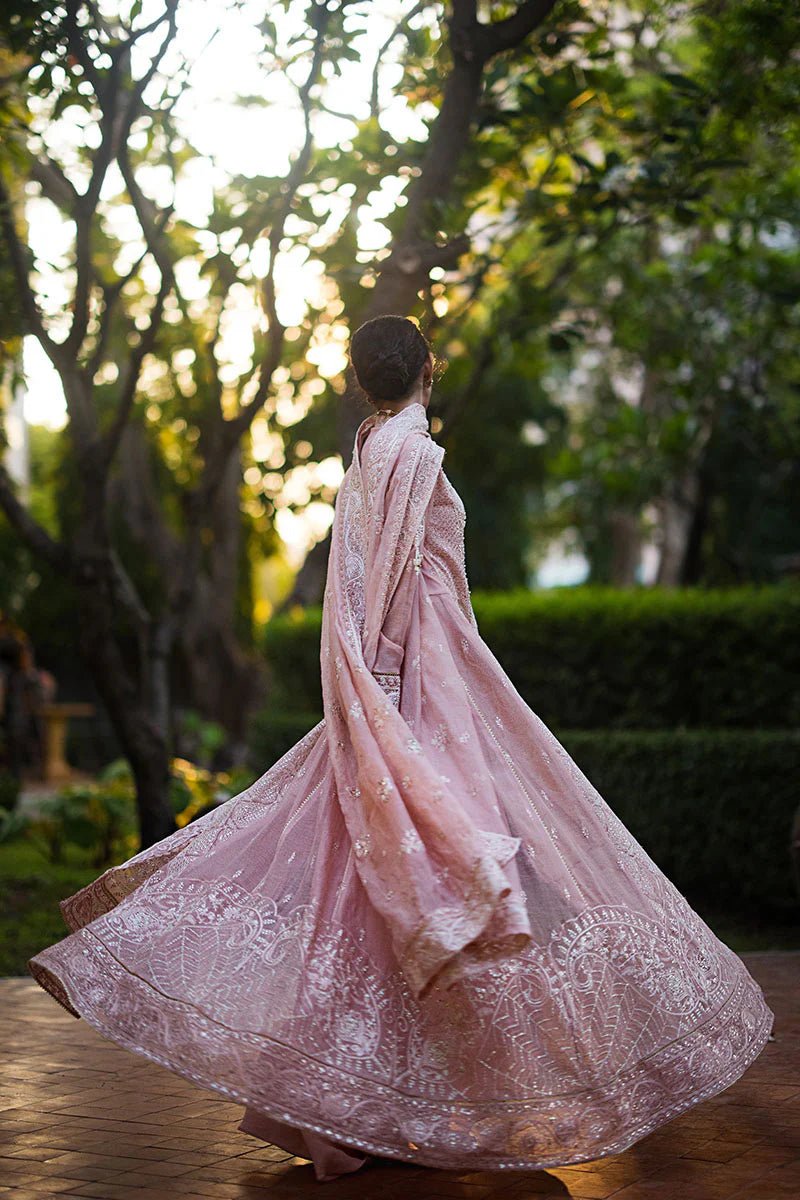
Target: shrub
<point x="713" y="807"/>
<point x="99" y="820"/>
<point x="30" y="889"/>
<point x="195" y="790"/>
<point x="9" y="789"/>
<point x="592" y="658"/>
<point x="12" y="824"/>
<point x="291" y="647"/>
<point x="273" y="733"/>
<point x="99" y="816"/>
<point x="646" y="659"/>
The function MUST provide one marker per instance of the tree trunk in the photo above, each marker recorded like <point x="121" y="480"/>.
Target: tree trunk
<point x="626" y="547"/>
<point x="220" y="679"/>
<point x="406" y="272"/>
<point x="310" y="581"/>
<point x="158" y="662"/>
<point x="692" y="565"/>
<point x="143" y="743"/>
<point x="149" y="761"/>
<point x="199" y="650"/>
<point x="676" y="511"/>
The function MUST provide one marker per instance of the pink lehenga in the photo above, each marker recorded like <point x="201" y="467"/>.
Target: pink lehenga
<point x="422" y="934"/>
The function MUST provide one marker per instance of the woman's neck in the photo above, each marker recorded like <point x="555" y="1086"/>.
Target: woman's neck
<point x="392" y="409"/>
<point x="390" y="412"/>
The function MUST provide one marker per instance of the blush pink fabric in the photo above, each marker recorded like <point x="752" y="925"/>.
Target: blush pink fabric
<point x="422" y="934"/>
<point x="330" y="1161"/>
<point x="430" y="850"/>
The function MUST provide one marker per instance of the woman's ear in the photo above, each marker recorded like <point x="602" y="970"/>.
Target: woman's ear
<point x="427" y="370"/>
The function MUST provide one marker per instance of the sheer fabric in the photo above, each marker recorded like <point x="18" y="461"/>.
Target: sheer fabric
<point x="421" y="934"/>
<point x="430" y="851"/>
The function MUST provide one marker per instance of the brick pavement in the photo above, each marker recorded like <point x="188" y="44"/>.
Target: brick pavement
<point x="80" y="1117"/>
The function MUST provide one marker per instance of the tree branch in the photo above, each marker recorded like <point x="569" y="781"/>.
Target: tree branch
<point x="373" y="103"/>
<point x="77" y="46"/>
<point x="29" y="529"/>
<point x="111" y="294"/>
<point x="506" y="34"/>
<point x="411" y="259"/>
<point x="146" y="213"/>
<point x="111" y="437"/>
<point x="54" y="183"/>
<point x="224" y="437"/>
<point x="19" y="266"/>
<point x="126" y="593"/>
<point x="85" y="209"/>
<point x="115" y="125"/>
<point x="238" y="425"/>
<point x="135" y="34"/>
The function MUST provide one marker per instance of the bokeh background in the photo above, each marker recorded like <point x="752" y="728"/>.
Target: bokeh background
<point x="593" y="212"/>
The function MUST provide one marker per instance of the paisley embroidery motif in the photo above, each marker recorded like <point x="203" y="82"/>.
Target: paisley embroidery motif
<point x="357" y="1058"/>
<point x="587" y="1005"/>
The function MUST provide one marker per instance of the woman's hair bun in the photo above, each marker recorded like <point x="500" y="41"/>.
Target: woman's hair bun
<point x="387" y="355"/>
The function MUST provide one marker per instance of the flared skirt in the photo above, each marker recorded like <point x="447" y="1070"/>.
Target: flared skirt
<point x="242" y="953"/>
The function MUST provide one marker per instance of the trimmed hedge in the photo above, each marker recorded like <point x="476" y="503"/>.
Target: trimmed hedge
<point x="714" y="808"/>
<point x="272" y="733"/>
<point x="596" y="658"/>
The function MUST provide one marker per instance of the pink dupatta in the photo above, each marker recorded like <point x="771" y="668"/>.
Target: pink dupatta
<point x="436" y="878"/>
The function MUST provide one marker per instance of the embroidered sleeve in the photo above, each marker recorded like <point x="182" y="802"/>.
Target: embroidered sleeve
<point x="390" y="653"/>
<point x="393" y="633"/>
<point x="390" y="683"/>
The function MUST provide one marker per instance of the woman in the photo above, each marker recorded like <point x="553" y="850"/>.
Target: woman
<point x="422" y="934"/>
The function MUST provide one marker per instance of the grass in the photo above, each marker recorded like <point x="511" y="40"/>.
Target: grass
<point x="30" y="889"/>
<point x="30" y="919"/>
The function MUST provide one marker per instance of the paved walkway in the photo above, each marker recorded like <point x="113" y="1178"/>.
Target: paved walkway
<point x="80" y="1117"/>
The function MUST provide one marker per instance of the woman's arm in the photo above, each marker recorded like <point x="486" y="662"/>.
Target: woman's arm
<point x="393" y="632"/>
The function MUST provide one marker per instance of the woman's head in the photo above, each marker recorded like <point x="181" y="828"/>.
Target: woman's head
<point x="391" y="356"/>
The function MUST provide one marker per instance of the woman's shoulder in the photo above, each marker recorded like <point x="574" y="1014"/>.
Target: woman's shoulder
<point x="378" y="431"/>
<point x="418" y="442"/>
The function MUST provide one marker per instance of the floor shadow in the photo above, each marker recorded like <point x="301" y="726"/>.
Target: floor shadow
<point x="384" y="1176"/>
<point x="429" y="1179"/>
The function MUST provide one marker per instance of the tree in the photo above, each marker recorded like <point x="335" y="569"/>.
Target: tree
<point x="642" y="283"/>
<point x="429" y="231"/>
<point x="88" y="62"/>
<point x="131" y="324"/>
